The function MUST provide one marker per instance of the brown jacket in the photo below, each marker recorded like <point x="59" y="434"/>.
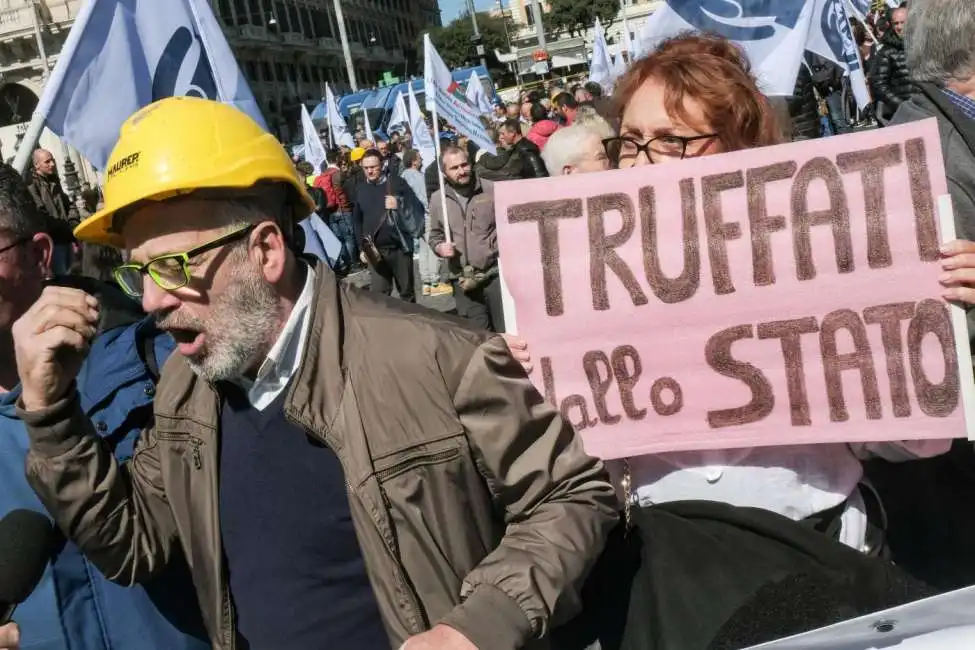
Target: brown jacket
<point x="472" y="226"/>
<point x="473" y="501"/>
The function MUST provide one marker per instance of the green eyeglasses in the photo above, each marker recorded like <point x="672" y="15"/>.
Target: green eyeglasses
<point x="170" y="272"/>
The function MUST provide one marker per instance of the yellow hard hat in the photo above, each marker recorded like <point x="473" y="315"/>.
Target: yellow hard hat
<point x="181" y="144"/>
<point x="357" y="154"/>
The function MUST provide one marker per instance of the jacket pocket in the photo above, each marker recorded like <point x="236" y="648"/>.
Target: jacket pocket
<point x="182" y="444"/>
<point x="443" y="521"/>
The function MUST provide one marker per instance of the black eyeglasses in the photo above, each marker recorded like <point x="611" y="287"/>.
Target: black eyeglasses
<point x="623" y="151"/>
<point x="19" y="242"/>
<point x="172" y="271"/>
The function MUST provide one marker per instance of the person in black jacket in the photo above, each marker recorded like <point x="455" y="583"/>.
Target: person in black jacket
<point x="890" y="83"/>
<point x="511" y="138"/>
<point x="377" y="198"/>
<point x="804" y="107"/>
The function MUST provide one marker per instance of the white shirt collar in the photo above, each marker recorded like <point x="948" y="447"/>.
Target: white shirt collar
<point x="283" y="359"/>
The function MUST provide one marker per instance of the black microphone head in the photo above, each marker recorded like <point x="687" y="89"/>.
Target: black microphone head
<point x="26" y="542"/>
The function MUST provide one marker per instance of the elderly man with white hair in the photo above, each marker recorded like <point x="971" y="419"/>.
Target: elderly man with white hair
<point x="577" y="149"/>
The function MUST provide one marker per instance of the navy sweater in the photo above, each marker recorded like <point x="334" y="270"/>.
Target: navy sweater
<point x="297" y="576"/>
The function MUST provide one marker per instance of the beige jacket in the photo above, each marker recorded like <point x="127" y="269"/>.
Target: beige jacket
<point x="473" y="501"/>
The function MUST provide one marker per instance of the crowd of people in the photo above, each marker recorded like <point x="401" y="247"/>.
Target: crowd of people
<point x="242" y="450"/>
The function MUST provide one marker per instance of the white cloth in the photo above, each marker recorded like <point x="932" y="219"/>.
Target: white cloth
<point x="282" y="361"/>
<point x="795" y="482"/>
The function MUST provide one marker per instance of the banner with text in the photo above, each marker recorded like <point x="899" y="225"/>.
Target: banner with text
<point x="779" y="296"/>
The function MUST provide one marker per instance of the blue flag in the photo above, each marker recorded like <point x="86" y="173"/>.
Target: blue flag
<point x="124" y="54"/>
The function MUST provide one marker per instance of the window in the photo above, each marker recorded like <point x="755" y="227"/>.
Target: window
<point x="323" y="26"/>
<point x="279" y="72"/>
<point x="304" y="74"/>
<point x="266" y="69"/>
<point x="223" y="10"/>
<point x="250" y="69"/>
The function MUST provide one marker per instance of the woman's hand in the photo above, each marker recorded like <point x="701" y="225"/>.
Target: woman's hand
<point x="519" y="350"/>
<point x="958" y="276"/>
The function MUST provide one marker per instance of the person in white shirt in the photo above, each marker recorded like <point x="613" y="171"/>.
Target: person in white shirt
<point x="715" y="525"/>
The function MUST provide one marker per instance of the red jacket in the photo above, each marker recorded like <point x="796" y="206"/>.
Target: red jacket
<point x="541" y="132"/>
<point x="337" y="199"/>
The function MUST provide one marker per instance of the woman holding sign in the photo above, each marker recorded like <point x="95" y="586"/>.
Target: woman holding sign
<point x="726" y="548"/>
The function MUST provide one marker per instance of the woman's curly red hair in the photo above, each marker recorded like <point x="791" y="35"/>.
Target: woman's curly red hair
<point x="715" y="73"/>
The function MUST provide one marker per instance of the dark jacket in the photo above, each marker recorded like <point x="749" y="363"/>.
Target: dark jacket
<point x="74" y="606"/>
<point x="473" y="501"/>
<point x="392" y="165"/>
<point x="532" y="157"/>
<point x="351" y="180"/>
<point x="804" y="107"/>
<point x="51" y="200"/>
<point x="508" y="165"/>
<point x="889" y="82"/>
<point x="371" y="218"/>
<point x="958" y="146"/>
<point x="430" y="180"/>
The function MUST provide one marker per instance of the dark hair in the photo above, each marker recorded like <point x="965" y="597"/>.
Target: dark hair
<point x="539" y="113"/>
<point x="565" y="100"/>
<point x="512" y="125"/>
<point x="19" y="215"/>
<point x="715" y="73"/>
<point x="99" y="261"/>
<point x="305" y="168"/>
<point x="371" y="153"/>
<point x="594" y="89"/>
<point x="410" y="156"/>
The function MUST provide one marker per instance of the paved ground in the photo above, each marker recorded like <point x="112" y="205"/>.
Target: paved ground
<point x="440" y="303"/>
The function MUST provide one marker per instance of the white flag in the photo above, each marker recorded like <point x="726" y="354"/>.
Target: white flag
<point x="122" y="55"/>
<point x="830" y="37"/>
<point x="619" y="65"/>
<point x="367" y="126"/>
<point x="627" y="43"/>
<point x="771" y="32"/>
<point x="340" y="132"/>
<point x="449" y="99"/>
<point x="860" y="9"/>
<point x="314" y="151"/>
<point x="476" y="96"/>
<point x="601" y="64"/>
<point x="422" y="140"/>
<point x="400" y="119"/>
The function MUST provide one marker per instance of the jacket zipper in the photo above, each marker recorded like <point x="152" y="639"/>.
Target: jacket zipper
<point x="400" y="578"/>
<point x="447" y="454"/>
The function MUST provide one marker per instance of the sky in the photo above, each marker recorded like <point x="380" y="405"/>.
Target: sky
<point x="450" y="9"/>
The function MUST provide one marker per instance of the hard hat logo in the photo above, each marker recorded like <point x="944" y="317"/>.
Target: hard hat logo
<point x="168" y="71"/>
<point x="129" y="162"/>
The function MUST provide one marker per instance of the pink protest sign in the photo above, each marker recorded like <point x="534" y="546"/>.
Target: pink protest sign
<point x="779" y="296"/>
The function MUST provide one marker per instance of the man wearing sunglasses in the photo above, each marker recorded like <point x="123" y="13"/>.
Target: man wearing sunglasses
<point x="74" y="606"/>
<point x="340" y="468"/>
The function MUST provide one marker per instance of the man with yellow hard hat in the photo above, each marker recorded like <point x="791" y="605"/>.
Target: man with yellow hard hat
<point x="339" y="469"/>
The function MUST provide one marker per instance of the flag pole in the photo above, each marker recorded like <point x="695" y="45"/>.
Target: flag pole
<point x="443" y="195"/>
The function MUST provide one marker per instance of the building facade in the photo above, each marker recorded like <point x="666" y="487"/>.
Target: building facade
<point x="564" y="50"/>
<point x="287" y="49"/>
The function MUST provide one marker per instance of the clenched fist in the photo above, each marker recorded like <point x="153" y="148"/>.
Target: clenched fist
<point x="9" y="637"/>
<point x="51" y="341"/>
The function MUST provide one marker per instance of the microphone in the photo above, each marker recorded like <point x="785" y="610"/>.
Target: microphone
<point x="27" y="540"/>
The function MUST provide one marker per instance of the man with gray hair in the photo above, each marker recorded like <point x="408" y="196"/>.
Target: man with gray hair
<point x="940" y="48"/>
<point x="577" y="149"/>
